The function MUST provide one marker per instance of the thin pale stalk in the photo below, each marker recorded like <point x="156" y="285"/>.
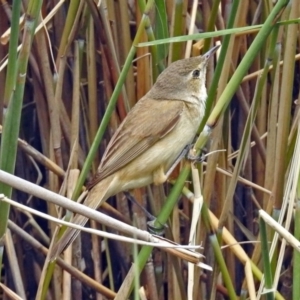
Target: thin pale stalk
<point x="43" y="111"/>
<point x="75" y="108"/>
<point x="109" y="264"/>
<point x="296" y="254"/>
<point x="13" y="263"/>
<point x="266" y="259"/>
<point x="92" y="81"/>
<point x="55" y="112"/>
<point x="284" y="116"/>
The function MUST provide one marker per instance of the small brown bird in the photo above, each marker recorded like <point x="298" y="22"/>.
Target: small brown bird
<point x="150" y="138"/>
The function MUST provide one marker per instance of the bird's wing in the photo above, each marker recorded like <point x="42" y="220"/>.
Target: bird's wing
<point x="156" y="119"/>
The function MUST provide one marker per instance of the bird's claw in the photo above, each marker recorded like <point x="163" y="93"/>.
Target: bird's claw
<point x="154" y="228"/>
<point x="192" y="156"/>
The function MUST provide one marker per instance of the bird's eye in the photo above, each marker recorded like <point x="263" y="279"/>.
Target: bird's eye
<point x="196" y="73"/>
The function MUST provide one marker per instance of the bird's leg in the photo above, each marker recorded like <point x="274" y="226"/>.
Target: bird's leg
<point x="192" y="156"/>
<point x="188" y="153"/>
<point x="152" y="226"/>
<point x="133" y="201"/>
<point x="182" y="154"/>
<point x="159" y="176"/>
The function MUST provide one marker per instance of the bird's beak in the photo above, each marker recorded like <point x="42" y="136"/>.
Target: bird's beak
<point x="211" y="52"/>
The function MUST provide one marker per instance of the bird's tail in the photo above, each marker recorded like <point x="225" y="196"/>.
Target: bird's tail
<point x="96" y="196"/>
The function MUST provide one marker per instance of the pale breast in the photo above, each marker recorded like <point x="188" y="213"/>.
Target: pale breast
<point x="165" y="151"/>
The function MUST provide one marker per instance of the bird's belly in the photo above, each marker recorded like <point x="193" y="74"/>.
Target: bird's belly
<point x="140" y="171"/>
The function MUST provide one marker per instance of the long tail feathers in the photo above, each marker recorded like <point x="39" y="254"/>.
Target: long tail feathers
<point x="94" y="199"/>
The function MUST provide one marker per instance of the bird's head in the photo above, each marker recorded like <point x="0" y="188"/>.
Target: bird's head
<point x="183" y="79"/>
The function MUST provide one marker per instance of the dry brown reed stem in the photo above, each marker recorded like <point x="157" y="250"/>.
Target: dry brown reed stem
<point x="73" y="271"/>
<point x="57" y="199"/>
<point x="13" y="261"/>
<point x="39" y="157"/>
<point x="258" y="72"/>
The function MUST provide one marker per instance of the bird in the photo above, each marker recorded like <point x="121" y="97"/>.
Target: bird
<point x="150" y="138"/>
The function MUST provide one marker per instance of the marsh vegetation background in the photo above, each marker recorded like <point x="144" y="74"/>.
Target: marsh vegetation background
<point x="67" y="80"/>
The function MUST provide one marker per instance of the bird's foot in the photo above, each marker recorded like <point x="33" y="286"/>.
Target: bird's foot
<point x="154" y="226"/>
<point x="193" y="156"/>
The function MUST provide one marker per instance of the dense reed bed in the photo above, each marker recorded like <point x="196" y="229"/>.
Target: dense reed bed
<point x="69" y="73"/>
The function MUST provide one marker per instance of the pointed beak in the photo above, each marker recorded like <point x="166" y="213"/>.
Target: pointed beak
<point x="210" y="52"/>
